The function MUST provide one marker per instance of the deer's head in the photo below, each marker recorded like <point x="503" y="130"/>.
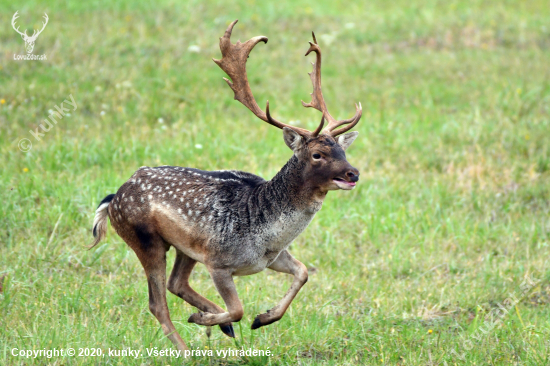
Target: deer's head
<point x="322" y="150"/>
<point x="29" y="40"/>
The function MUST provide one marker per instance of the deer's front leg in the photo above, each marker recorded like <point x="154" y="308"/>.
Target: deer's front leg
<point x="179" y="286"/>
<point x="223" y="280"/>
<point x="285" y="263"/>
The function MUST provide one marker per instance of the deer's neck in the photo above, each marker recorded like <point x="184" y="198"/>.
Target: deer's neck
<point x="283" y="207"/>
<point x="291" y="190"/>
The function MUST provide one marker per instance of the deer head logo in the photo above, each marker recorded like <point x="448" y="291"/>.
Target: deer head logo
<point x="29" y="41"/>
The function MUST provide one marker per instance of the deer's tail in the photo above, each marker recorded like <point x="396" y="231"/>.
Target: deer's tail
<point x="100" y="220"/>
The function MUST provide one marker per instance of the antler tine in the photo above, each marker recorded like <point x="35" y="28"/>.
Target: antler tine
<point x="233" y="62"/>
<point x="320" y="127"/>
<point x="318" y="101"/>
<point x="274" y="122"/>
<point x="350" y="122"/>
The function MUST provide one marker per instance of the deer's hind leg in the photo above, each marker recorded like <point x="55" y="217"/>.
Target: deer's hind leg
<point x="151" y="249"/>
<point x="285" y="263"/>
<point x="178" y="284"/>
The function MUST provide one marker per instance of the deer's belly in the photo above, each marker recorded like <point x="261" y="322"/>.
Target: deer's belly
<point x="259" y="265"/>
<point x="252" y="269"/>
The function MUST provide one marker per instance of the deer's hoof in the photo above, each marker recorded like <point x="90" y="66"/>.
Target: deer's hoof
<point x="263" y="319"/>
<point x="227" y="329"/>
<point x="257" y="323"/>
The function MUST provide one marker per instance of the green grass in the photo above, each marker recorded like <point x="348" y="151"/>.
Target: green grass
<point x="452" y="210"/>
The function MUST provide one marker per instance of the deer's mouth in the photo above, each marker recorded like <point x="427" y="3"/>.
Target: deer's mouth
<point x="344" y="184"/>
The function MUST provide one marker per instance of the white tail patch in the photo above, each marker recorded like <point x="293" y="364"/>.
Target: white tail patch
<point x="100" y="223"/>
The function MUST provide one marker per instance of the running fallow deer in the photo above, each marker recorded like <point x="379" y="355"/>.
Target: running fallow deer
<point x="233" y="222"/>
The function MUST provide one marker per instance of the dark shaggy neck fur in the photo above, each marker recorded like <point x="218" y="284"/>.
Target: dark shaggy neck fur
<point x="286" y="191"/>
<point x="286" y="186"/>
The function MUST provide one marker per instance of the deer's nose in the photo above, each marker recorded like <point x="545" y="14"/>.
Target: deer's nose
<point x="353" y="175"/>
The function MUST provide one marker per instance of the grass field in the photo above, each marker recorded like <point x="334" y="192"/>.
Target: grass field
<point x="450" y="217"/>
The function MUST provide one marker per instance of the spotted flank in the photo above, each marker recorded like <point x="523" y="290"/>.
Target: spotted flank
<point x="186" y="193"/>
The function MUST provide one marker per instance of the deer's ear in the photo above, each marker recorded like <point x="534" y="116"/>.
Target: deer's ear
<point x="347" y="139"/>
<point x="293" y="139"/>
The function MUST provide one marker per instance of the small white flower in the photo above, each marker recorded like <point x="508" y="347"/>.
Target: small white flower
<point x="102" y="113"/>
<point x="198" y="146"/>
<point x="160" y="120"/>
<point x="67" y="114"/>
<point x="50" y="111"/>
<point x="98" y="88"/>
<point x="349" y="25"/>
<point x="194" y="48"/>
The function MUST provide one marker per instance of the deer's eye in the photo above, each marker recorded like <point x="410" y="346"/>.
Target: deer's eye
<point x="316" y="156"/>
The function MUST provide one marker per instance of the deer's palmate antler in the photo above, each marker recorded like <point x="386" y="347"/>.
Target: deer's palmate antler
<point x="233" y="62"/>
